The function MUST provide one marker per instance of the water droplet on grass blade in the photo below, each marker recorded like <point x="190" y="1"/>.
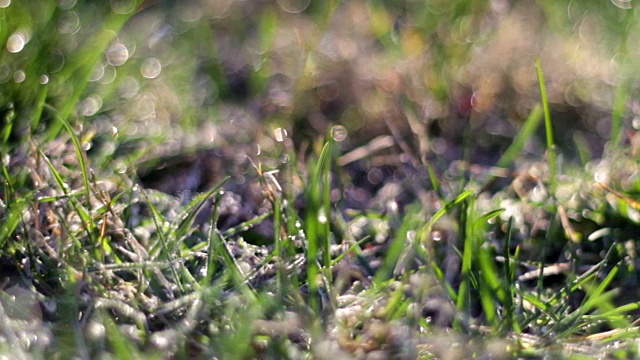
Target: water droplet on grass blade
<point x="19" y="76"/>
<point x="339" y="133"/>
<point x="322" y="217"/>
<point x="280" y="134"/>
<point x="120" y="168"/>
<point x="95" y="330"/>
<point x="16" y="42"/>
<point x="5" y="3"/>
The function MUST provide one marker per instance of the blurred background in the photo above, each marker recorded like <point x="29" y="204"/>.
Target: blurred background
<point x="153" y="78"/>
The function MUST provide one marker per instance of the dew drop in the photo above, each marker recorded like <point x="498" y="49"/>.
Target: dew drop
<point x="16" y="42"/>
<point x="121" y="168"/>
<point x="602" y="176"/>
<point x="322" y="217"/>
<point x="95" y="330"/>
<point x="5" y="3"/>
<point x="19" y="76"/>
<point x="151" y="68"/>
<point x="44" y="79"/>
<point x="280" y="134"/>
<point x="339" y="133"/>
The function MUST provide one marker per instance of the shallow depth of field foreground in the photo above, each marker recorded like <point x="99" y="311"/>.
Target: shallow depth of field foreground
<point x="298" y="179"/>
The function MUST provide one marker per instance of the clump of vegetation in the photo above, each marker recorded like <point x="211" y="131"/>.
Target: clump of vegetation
<point x="293" y="179"/>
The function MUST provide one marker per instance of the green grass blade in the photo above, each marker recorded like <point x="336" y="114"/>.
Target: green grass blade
<point x="553" y="181"/>
<point x="510" y="321"/>
<point x="86" y="218"/>
<point x="463" y="304"/>
<point x="212" y="237"/>
<point x="490" y="287"/>
<point x="121" y="347"/>
<point x="435" y="183"/>
<point x="593" y="296"/>
<point x="399" y="245"/>
<point x="185" y="221"/>
<point x="425" y="231"/>
<point x="163" y="253"/>
<point x="328" y="208"/>
<point x="83" y="165"/>
<point x="518" y="143"/>
<point x="11" y="221"/>
<point x="582" y="146"/>
<point x="316" y="217"/>
<point x="278" y="241"/>
<point x="618" y="112"/>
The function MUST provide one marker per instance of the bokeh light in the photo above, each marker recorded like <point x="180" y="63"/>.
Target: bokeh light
<point x="151" y="68"/>
<point x="123" y="6"/>
<point x="19" y="76"/>
<point x="117" y="55"/>
<point x="294" y="6"/>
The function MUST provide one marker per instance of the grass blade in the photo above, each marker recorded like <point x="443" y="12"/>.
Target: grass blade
<point x="527" y="131"/>
<point x="315" y="224"/>
<point x="548" y="126"/>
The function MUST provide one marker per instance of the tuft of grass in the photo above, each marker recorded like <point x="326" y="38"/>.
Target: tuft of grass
<point x="317" y="222"/>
